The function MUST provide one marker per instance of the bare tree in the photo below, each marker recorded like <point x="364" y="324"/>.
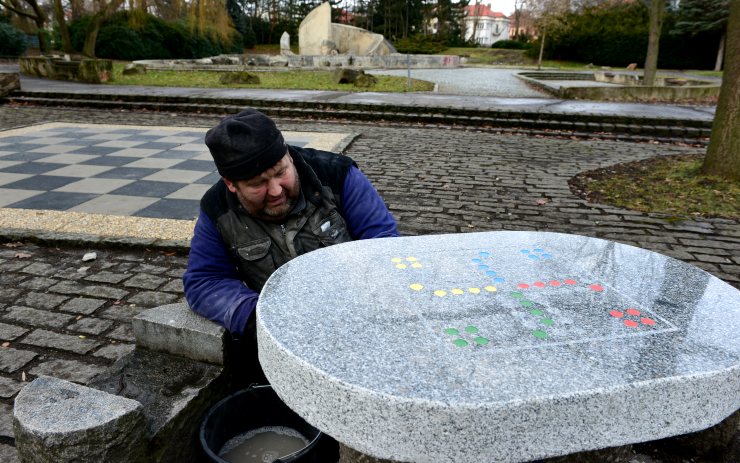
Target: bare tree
<point x="30" y="9"/>
<point x="547" y="14"/>
<point x="723" y="153"/>
<point x="657" y="12"/>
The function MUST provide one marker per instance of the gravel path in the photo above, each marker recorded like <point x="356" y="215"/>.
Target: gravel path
<point x="473" y="81"/>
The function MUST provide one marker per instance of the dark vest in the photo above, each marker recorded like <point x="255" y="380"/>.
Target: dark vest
<point x="259" y="248"/>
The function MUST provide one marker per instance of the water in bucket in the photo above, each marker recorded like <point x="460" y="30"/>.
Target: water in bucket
<point x="263" y="445"/>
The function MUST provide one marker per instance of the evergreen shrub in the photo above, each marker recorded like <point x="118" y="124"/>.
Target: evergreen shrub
<point x="511" y="45"/>
<point x="420" y="45"/>
<point x="12" y="40"/>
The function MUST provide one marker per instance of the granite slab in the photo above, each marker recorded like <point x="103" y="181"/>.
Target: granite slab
<point x="500" y="346"/>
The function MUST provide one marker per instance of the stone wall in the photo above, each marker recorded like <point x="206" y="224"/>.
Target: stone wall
<point x="9" y="82"/>
<point x="92" y="71"/>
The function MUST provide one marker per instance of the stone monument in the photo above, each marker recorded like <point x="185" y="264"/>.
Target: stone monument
<point x="285" y="44"/>
<point x="317" y="35"/>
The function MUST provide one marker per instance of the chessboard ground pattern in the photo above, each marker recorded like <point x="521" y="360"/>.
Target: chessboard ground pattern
<point x="153" y="172"/>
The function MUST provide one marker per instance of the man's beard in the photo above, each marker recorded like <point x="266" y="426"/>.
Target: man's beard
<point x="280" y="212"/>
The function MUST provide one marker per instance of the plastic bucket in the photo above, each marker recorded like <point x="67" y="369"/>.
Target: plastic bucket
<point x="253" y="408"/>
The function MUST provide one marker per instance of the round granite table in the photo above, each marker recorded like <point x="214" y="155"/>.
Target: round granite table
<point x="500" y="346"/>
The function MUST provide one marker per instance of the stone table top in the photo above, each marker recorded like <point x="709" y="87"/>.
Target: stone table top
<point x="500" y="346"/>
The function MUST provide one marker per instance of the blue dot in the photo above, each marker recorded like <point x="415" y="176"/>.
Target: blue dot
<point x="499" y="280"/>
<point x="524" y="251"/>
<point x="546" y="256"/>
<point x="539" y="250"/>
<point x="477" y="261"/>
<point x="483" y="266"/>
<point x="491" y="273"/>
<point x="484" y="254"/>
<point x="533" y="257"/>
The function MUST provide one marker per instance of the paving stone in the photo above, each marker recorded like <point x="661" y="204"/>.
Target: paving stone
<point x="82" y="305"/>
<point x="7" y="278"/>
<point x="114" y="351"/>
<point x="11" y="332"/>
<point x="107" y="277"/>
<point x="144" y="281"/>
<point x="40" y="269"/>
<point x="174" y="286"/>
<point x="42" y="300"/>
<point x="122" y="313"/>
<point x="9" y="388"/>
<point x="38" y="283"/>
<point x="10" y="294"/>
<point x="176" y="273"/>
<point x="123" y="333"/>
<point x="12" y="360"/>
<point x="712" y="259"/>
<point x="44" y="338"/>
<point x="6" y="421"/>
<point x="8" y="454"/>
<point x="73" y="288"/>
<point x="94" y="326"/>
<point x="153" y="299"/>
<point x="14" y="265"/>
<point x="146" y="268"/>
<point x="34" y="317"/>
<point x="71" y="370"/>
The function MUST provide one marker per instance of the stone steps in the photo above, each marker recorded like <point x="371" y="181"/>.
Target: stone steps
<point x="581" y="125"/>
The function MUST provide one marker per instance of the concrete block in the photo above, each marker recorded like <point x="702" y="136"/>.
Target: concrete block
<point x="9" y="82"/>
<point x="56" y="420"/>
<point x="177" y="330"/>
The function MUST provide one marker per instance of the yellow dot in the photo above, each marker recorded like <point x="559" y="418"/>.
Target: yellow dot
<point x="458" y="291"/>
<point x="490" y="289"/>
<point x="411" y="259"/>
<point x="396" y="259"/>
<point x="474" y="290"/>
<point x="416" y="265"/>
<point x="440" y="293"/>
<point x="416" y="287"/>
<point x="401" y="266"/>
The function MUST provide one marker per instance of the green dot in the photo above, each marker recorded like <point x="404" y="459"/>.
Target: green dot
<point x="452" y="331"/>
<point x="480" y="340"/>
<point x="460" y="342"/>
<point x="471" y="329"/>
<point x="537" y="312"/>
<point x="547" y="321"/>
<point x="539" y="334"/>
<point x="517" y="294"/>
<point x="527" y="303"/>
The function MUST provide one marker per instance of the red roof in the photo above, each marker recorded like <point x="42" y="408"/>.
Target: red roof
<point x="483" y="10"/>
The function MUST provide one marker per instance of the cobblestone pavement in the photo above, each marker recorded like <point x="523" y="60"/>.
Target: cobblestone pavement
<point x="64" y="317"/>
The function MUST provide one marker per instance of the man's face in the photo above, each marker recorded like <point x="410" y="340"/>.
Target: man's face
<point x="272" y="194"/>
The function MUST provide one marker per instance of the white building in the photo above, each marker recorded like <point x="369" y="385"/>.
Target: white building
<point x="484" y="25"/>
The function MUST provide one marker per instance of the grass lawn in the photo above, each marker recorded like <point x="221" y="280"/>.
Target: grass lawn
<point x="670" y="185"/>
<point x="284" y="80"/>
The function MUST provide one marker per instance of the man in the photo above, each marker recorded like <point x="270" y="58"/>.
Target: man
<point x="273" y="203"/>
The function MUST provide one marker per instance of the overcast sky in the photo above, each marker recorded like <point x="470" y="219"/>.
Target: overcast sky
<point x="502" y="6"/>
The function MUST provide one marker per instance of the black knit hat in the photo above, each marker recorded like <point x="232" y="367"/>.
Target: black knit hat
<point x="245" y="145"/>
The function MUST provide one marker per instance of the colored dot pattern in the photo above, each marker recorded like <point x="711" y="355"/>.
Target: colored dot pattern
<point x="632" y="318"/>
<point x="536" y="254"/>
<point x="470" y="330"/>
<point x="401" y="263"/>
<point x="551" y="283"/>
<point x="482" y="266"/>
<point x="544" y="321"/>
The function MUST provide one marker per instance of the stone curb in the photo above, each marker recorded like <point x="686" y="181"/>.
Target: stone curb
<point x="73" y="239"/>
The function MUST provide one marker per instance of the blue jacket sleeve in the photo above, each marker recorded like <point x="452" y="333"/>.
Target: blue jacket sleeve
<point x="212" y="286"/>
<point x="363" y="210"/>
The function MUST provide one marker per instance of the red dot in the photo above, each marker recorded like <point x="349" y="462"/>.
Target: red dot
<point x="597" y="287"/>
<point x="555" y="283"/>
<point x="634" y="312"/>
<point x="630" y="323"/>
<point x="570" y="282"/>
<point x="616" y="313"/>
<point x="539" y="284"/>
<point x="523" y="285"/>
<point x="647" y="321"/>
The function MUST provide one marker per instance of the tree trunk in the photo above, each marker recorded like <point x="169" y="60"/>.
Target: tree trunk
<point x="62" y="23"/>
<point x="720" y="52"/>
<point x="542" y="50"/>
<point x="657" y="7"/>
<point x="723" y="154"/>
<point x="91" y="38"/>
